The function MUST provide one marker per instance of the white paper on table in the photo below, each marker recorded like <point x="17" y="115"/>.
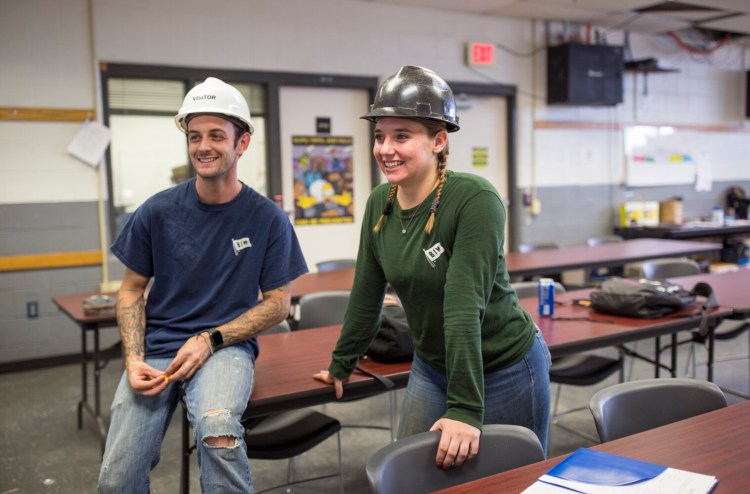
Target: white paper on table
<point x="90" y="142"/>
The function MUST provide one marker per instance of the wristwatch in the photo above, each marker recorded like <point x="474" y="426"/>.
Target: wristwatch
<point x="217" y="340"/>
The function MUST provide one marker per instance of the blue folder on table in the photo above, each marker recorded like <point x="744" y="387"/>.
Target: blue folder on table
<point x="589" y="471"/>
<point x="595" y="467"/>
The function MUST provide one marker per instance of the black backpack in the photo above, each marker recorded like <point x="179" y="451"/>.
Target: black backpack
<point x="393" y="342"/>
<point x="646" y="298"/>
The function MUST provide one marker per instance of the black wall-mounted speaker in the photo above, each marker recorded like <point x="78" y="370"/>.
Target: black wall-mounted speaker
<point x="585" y="75"/>
<point x="747" y="94"/>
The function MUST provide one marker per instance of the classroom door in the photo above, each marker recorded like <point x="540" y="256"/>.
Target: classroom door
<point x="325" y="176"/>
<point x="481" y="146"/>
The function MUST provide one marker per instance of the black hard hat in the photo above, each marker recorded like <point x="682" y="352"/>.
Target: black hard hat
<point x="416" y="93"/>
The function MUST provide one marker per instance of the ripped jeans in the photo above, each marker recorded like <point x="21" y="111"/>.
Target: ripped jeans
<point x="216" y="396"/>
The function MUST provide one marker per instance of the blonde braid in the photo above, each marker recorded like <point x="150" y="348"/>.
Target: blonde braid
<point x="442" y="164"/>
<point x="387" y="209"/>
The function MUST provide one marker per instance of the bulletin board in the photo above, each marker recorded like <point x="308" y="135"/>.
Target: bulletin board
<point x="660" y="155"/>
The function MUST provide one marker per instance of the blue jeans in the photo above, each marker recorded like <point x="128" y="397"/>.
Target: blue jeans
<point x="518" y="394"/>
<point x="215" y="397"/>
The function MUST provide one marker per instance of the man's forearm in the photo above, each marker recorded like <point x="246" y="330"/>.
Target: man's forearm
<point x="270" y="311"/>
<point x="131" y="318"/>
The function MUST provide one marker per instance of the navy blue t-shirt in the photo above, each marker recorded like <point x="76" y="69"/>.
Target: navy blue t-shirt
<point x="208" y="262"/>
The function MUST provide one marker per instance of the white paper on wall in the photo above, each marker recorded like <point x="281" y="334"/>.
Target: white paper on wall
<point x="90" y="142"/>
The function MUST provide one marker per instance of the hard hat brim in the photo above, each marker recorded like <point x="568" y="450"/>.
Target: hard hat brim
<point x="373" y="116"/>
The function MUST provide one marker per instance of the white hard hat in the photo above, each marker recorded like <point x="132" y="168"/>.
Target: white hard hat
<point x="214" y="96"/>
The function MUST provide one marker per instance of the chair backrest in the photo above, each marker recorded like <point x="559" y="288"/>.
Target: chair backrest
<point x="606" y="239"/>
<point x="669" y="267"/>
<point x="636" y="406"/>
<point x="282" y="327"/>
<point x="531" y="288"/>
<point x="408" y="465"/>
<point x="322" y="308"/>
<point x="541" y="246"/>
<point x="334" y="264"/>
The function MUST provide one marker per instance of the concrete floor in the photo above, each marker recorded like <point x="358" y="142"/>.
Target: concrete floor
<point x="44" y="452"/>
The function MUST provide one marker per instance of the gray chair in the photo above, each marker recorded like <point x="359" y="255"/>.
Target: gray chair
<point x="282" y="327"/>
<point x="595" y="276"/>
<point x="334" y="264"/>
<point x="583" y="369"/>
<point x="530" y="247"/>
<point x="279" y="436"/>
<point x="637" y="406"/>
<point x="660" y="269"/>
<point x="328" y="308"/>
<point x="604" y="239"/>
<point x="322" y="308"/>
<point x="726" y="330"/>
<point x="408" y="465"/>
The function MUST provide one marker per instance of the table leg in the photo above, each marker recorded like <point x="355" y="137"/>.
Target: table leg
<point x="84" y="378"/>
<point x="710" y="363"/>
<point x="185" y="465"/>
<point x="84" y="404"/>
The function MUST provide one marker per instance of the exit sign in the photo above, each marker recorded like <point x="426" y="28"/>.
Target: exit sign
<point x="480" y="53"/>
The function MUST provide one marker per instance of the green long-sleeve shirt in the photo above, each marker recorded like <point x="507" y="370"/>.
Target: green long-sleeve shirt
<point x="464" y="317"/>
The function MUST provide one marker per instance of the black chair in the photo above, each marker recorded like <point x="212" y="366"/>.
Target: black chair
<point x="583" y="369"/>
<point x="408" y="465"/>
<point x="334" y="264"/>
<point x="279" y="436"/>
<point x="637" y="406"/>
<point x="729" y="329"/>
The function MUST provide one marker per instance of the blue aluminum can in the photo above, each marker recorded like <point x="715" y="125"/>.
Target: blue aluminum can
<point x="546" y="297"/>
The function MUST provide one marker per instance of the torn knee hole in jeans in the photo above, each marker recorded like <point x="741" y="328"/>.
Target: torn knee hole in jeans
<point x="217" y="436"/>
<point x="216" y="412"/>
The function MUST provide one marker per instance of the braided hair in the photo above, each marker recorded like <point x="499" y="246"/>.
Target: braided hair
<point x="442" y="158"/>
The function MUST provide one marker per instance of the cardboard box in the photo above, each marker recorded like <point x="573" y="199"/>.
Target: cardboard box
<point x="670" y="212"/>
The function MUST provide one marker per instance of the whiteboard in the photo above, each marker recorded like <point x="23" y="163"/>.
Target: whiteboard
<point x="660" y="155"/>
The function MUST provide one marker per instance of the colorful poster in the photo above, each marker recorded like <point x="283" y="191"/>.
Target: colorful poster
<point x="323" y="180"/>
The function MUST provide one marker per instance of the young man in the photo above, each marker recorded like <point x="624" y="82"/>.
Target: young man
<point x="211" y="245"/>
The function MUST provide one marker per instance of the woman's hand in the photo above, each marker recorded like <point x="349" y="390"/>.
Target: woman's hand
<point x="327" y="378"/>
<point x="459" y="442"/>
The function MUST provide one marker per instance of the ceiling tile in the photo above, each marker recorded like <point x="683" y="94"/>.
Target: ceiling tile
<point x="729" y="5"/>
<point x="738" y="24"/>
<point x="546" y="11"/>
<point x="642" y="23"/>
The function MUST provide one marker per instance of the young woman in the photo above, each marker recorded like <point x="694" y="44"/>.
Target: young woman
<point x="437" y="237"/>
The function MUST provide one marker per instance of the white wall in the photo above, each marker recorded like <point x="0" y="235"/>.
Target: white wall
<point x="45" y="62"/>
<point x="44" y="49"/>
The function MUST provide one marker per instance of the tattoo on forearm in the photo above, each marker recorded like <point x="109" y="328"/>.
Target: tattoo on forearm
<point x="132" y="323"/>
<point x="264" y="315"/>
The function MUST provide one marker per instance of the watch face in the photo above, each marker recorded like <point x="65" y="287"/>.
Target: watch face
<point x="216" y="338"/>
